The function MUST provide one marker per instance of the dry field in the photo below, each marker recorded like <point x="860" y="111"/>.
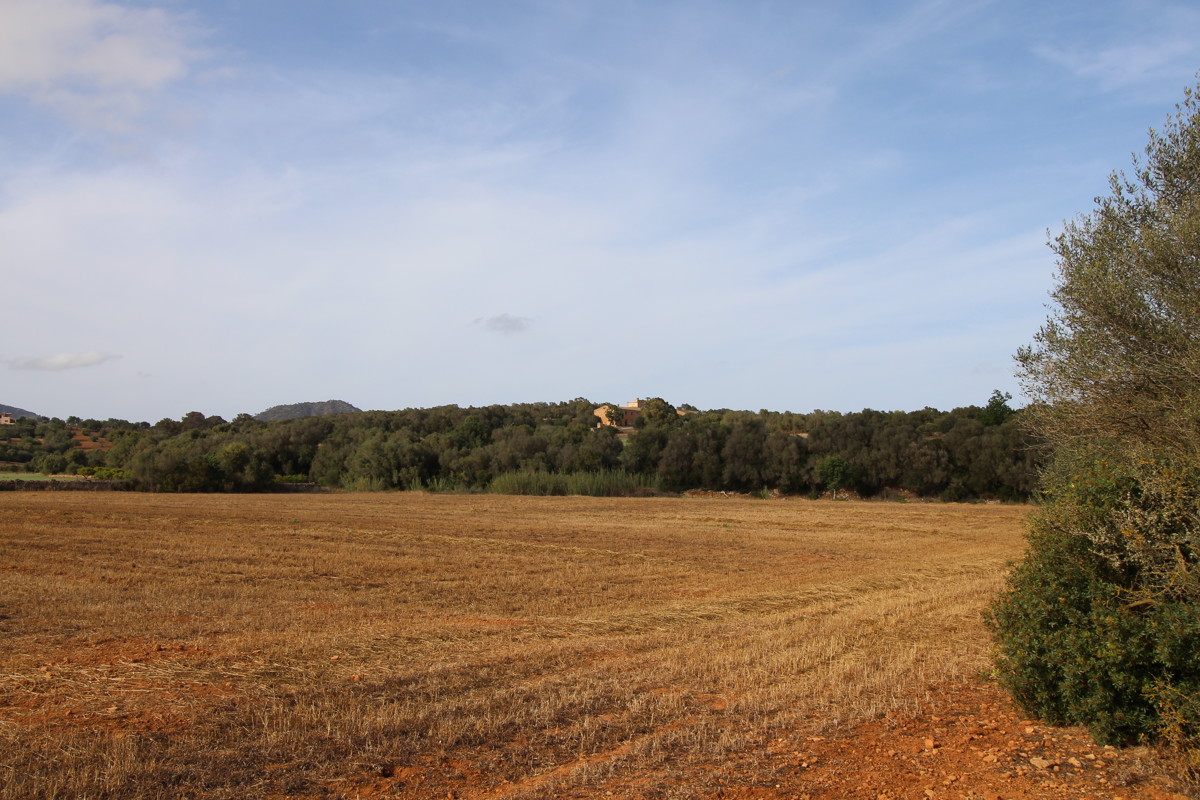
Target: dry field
<point x="489" y="647"/>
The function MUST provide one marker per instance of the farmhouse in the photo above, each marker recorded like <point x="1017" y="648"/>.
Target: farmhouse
<point x="6" y="418"/>
<point x="624" y="416"/>
<point x="621" y="416"/>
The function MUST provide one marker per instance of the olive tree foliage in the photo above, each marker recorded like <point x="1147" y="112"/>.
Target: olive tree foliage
<point x="1114" y="375"/>
<point x="1120" y="356"/>
<point x="1100" y="623"/>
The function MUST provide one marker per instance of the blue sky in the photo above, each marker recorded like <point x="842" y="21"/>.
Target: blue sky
<point x="228" y="205"/>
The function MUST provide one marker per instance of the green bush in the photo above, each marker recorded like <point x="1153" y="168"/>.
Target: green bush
<point x="529" y="482"/>
<point x="611" y="483"/>
<point x="104" y="473"/>
<point x="1089" y="631"/>
<point x="599" y="483"/>
<point x="439" y="484"/>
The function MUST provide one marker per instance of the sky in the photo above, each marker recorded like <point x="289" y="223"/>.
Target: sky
<point x="227" y="205"/>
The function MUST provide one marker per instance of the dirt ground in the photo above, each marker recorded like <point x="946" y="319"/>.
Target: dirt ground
<point x="416" y="646"/>
<point x="970" y="743"/>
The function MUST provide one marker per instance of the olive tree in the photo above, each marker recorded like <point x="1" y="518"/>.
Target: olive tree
<point x="1100" y="624"/>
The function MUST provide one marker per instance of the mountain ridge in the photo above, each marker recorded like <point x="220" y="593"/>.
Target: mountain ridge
<point x="298" y="410"/>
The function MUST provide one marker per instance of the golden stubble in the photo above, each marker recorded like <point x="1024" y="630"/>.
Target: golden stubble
<point x="406" y="645"/>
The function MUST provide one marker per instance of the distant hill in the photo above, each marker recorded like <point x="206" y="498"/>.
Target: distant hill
<point x="296" y="410"/>
<point x="16" y="412"/>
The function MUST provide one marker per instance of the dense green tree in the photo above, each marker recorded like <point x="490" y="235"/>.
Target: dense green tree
<point x="644" y="450"/>
<point x="834" y="473"/>
<point x="784" y="460"/>
<point x="244" y="422"/>
<point x="997" y="410"/>
<point x="676" y="463"/>
<point x="597" y="449"/>
<point x="56" y="439"/>
<point x="743" y="455"/>
<point x="472" y="432"/>
<point x="707" y="465"/>
<point x="75" y="458"/>
<point x="243" y="467"/>
<point x="656" y="411"/>
<point x="49" y="464"/>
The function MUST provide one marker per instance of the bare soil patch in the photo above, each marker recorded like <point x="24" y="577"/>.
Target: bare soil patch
<point x="417" y="646"/>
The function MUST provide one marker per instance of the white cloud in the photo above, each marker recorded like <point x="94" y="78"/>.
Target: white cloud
<point x="506" y="324"/>
<point x="60" y="361"/>
<point x="91" y="61"/>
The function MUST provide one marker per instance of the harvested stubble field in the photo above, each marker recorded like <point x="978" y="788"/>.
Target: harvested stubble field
<point x="489" y="647"/>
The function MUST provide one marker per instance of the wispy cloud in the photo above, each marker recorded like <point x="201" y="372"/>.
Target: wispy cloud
<point x="506" y="324"/>
<point x="60" y="361"/>
<point x="91" y="61"/>
<point x="1124" y="65"/>
<point x="1150" y="48"/>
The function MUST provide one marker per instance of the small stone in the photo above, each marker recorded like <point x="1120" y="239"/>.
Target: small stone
<point x="1040" y="763"/>
<point x="930" y="744"/>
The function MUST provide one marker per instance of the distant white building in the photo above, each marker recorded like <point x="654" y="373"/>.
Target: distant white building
<point x="6" y="418"/>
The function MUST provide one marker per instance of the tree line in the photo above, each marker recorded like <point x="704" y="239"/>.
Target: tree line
<point x="976" y="452"/>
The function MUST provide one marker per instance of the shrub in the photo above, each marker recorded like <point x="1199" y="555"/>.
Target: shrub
<point x="599" y="483"/>
<point x="529" y="482"/>
<point x="611" y="483"/>
<point x="1075" y="646"/>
